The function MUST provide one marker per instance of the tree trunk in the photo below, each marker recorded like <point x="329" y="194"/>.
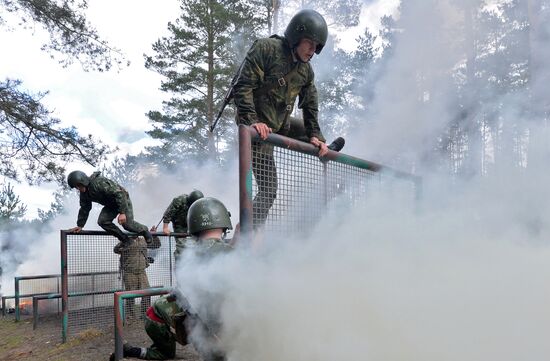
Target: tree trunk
<point x="210" y="82"/>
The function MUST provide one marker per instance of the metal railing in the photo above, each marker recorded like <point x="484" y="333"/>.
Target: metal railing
<point x="284" y="186"/>
<point x="93" y="251"/>
<point x="119" y="313"/>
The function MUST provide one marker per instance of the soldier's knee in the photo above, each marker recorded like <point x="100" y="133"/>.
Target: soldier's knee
<point x="102" y="222"/>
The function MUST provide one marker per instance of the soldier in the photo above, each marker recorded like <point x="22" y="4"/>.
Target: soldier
<point x="275" y="72"/>
<point x="171" y="319"/>
<point x="133" y="262"/>
<point x="177" y="214"/>
<point x="113" y="197"/>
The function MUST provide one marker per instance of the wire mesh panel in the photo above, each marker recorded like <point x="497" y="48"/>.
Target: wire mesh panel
<point x="285" y="188"/>
<point x="28" y="286"/>
<point x="96" y="266"/>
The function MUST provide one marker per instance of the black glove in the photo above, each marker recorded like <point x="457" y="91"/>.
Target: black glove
<point x="150" y="259"/>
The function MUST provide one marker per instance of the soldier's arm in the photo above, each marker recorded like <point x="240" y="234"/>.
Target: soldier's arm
<point x="85" y="207"/>
<point x="169" y="212"/>
<point x="308" y="102"/>
<point x="252" y="75"/>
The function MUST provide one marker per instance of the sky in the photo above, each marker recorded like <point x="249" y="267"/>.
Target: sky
<point x="112" y="105"/>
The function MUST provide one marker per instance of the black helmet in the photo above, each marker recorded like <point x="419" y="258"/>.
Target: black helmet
<point x="77" y="177"/>
<point x="207" y="213"/>
<point x="193" y="196"/>
<point x="308" y="24"/>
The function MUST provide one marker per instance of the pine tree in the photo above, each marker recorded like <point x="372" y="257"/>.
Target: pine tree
<point x="197" y="60"/>
<point x="32" y="142"/>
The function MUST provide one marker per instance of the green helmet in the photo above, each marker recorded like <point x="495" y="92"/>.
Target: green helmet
<point x="77" y="177"/>
<point x="194" y="196"/>
<point x="207" y="213"/>
<point x="308" y="24"/>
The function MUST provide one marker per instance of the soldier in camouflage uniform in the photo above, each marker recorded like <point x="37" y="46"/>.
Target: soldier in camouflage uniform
<point x="171" y="318"/>
<point x="113" y="197"/>
<point x="275" y="72"/>
<point x="177" y="214"/>
<point x="133" y="262"/>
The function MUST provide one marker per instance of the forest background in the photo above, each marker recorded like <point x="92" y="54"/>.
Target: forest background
<point x="453" y="89"/>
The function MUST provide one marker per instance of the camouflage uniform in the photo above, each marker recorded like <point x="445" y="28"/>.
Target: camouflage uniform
<point x="261" y="97"/>
<point x="177" y="214"/>
<point x="133" y="262"/>
<point x="160" y="325"/>
<point x="115" y="200"/>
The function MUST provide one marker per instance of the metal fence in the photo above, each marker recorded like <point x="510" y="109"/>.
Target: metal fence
<point x="285" y="187"/>
<point x="28" y="286"/>
<point x="120" y="312"/>
<point x="88" y="302"/>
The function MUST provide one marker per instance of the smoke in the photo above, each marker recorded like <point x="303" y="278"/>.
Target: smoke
<point x="462" y="277"/>
<point x="36" y="250"/>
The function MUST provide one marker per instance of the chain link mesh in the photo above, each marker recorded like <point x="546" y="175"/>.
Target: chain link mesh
<point x="291" y="190"/>
<point x="95" y="272"/>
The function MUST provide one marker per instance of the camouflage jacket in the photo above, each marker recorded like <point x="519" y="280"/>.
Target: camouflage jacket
<point x="211" y="247"/>
<point x="103" y="191"/>
<point x="177" y="213"/>
<point x="267" y="61"/>
<point x="133" y="256"/>
<point x="166" y="307"/>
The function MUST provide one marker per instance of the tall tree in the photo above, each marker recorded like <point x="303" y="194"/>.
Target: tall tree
<point x="31" y="139"/>
<point x="197" y="61"/>
<point x="12" y="208"/>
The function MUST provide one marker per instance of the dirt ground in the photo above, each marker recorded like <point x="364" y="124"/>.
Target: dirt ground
<point x="18" y="341"/>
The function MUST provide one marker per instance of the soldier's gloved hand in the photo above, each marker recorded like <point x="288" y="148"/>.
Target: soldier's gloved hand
<point x="150" y="259"/>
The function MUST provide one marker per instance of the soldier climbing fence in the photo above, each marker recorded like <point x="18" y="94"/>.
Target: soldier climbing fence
<point x="88" y="302"/>
<point x="285" y="187"/>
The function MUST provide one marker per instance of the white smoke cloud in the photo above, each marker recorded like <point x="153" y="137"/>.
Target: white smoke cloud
<point x="464" y="277"/>
<point x="459" y="279"/>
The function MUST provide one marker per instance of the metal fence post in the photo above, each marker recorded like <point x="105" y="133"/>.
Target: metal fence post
<point x="119" y="298"/>
<point x="17" y="310"/>
<point x="245" y="181"/>
<point x="64" y="287"/>
<point x="170" y="255"/>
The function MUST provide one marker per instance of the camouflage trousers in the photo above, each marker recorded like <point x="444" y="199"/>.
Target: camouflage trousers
<point x="265" y="173"/>
<point x="164" y="341"/>
<point x="105" y="221"/>
<point x="136" y="281"/>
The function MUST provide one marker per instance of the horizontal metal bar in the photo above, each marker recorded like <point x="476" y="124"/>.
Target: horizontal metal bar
<point x="310" y="149"/>
<point x="103" y="233"/>
<point x="22" y="278"/>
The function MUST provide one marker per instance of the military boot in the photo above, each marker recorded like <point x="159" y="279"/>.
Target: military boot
<point x="148" y="237"/>
<point x="337" y="144"/>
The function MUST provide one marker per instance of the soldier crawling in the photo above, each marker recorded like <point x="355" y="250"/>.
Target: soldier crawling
<point x="171" y="319"/>
<point x="113" y="197"/>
